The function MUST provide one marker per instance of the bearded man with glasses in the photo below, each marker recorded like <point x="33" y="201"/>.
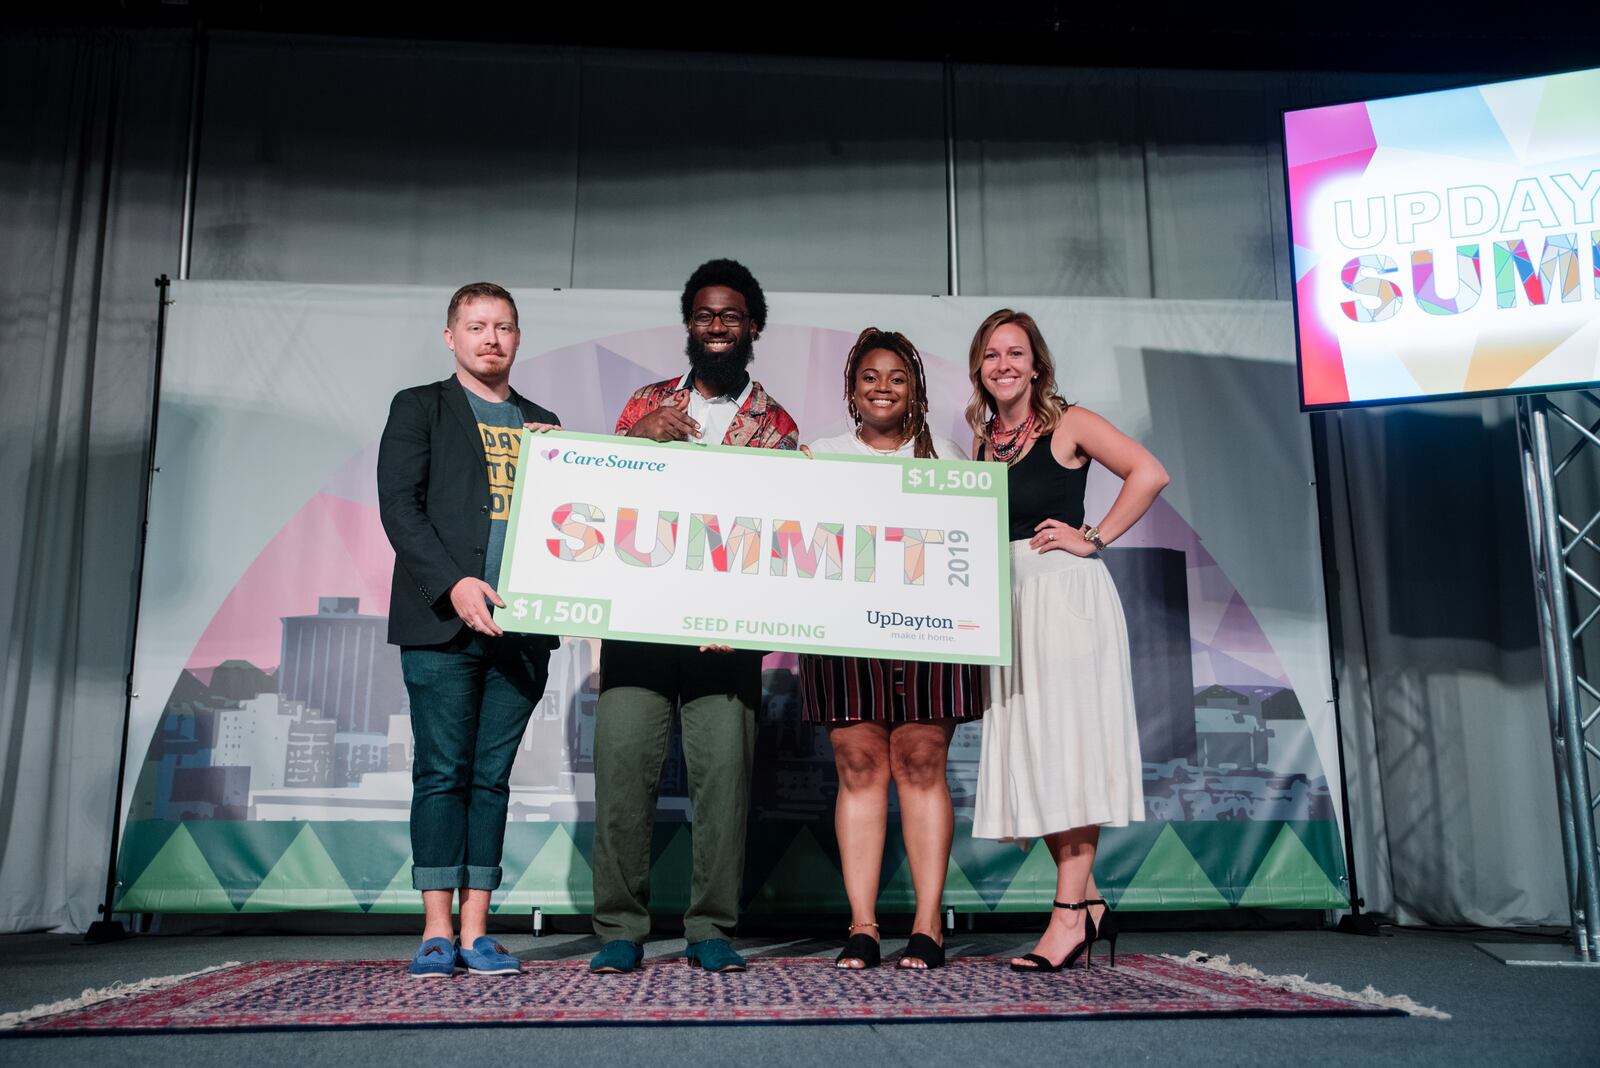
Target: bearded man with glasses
<point x="716" y="690"/>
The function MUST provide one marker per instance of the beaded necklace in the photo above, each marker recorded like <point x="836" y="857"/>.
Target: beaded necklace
<point x="1007" y="445"/>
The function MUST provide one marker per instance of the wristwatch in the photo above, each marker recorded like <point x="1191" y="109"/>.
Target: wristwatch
<point x="1093" y="534"/>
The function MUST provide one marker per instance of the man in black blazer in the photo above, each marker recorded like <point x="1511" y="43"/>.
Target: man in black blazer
<point x="447" y="468"/>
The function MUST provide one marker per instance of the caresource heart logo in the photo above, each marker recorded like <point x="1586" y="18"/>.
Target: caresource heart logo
<point x="550" y="454"/>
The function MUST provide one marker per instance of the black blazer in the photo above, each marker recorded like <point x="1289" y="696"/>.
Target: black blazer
<point x="433" y="496"/>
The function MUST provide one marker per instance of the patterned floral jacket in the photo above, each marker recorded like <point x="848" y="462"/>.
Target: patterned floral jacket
<point x="761" y="423"/>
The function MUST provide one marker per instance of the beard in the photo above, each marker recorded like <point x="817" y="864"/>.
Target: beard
<point x="723" y="372"/>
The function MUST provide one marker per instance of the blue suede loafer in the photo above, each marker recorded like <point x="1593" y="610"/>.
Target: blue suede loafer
<point x="488" y="957"/>
<point x="434" y="959"/>
<point x="616" y="957"/>
<point x="714" y="955"/>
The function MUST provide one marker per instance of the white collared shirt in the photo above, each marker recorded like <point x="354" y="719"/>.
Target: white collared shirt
<point x="714" y="414"/>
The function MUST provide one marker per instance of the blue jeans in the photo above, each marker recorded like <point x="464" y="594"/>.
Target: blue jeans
<point x="470" y="702"/>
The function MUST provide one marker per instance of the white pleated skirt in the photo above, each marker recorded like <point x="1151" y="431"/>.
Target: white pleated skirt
<point x="1060" y="743"/>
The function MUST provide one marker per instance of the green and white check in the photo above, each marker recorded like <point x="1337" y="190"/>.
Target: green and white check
<point x="758" y="549"/>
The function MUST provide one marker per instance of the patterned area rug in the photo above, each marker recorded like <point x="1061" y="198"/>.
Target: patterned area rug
<point x="293" y="995"/>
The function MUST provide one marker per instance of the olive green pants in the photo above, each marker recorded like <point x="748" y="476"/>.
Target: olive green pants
<point x="632" y="728"/>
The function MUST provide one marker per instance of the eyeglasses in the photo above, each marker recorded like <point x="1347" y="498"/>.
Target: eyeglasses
<point x="729" y="317"/>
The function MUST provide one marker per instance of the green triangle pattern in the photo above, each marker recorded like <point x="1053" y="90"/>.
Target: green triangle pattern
<point x="1034" y="882"/>
<point x="959" y="893"/>
<point x="671" y="871"/>
<point x="1122" y="850"/>
<point x="792" y="866"/>
<point x="662" y="836"/>
<point x="989" y="866"/>
<point x="1290" y="875"/>
<point x="898" y="893"/>
<point x="241" y="852"/>
<point x="141" y="841"/>
<point x="557" y="876"/>
<point x="804" y="873"/>
<point x="523" y="843"/>
<point x="399" y="896"/>
<point x="1326" y="842"/>
<point x="1229" y="852"/>
<point x="177" y="879"/>
<point x="304" y="877"/>
<point x="1170" y="878"/>
<point x="366" y="852"/>
<point x="768" y="841"/>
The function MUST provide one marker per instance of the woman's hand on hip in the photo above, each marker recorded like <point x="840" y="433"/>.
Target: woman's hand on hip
<point x="1054" y="534"/>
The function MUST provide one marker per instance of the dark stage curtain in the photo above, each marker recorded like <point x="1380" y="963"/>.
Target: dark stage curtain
<point x="91" y="194"/>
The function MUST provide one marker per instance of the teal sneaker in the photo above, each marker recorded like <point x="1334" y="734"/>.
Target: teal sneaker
<point x="434" y="959"/>
<point x="488" y="957"/>
<point x="714" y="955"/>
<point x="616" y="957"/>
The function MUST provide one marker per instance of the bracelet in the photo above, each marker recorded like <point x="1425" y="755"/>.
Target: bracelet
<point x="1092" y="534"/>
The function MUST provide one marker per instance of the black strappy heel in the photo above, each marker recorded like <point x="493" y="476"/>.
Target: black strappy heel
<point x="1106" y="930"/>
<point x="861" y="947"/>
<point x="1042" y="964"/>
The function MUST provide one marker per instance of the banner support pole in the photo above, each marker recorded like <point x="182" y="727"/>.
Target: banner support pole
<point x="1358" y="921"/>
<point x="191" y="166"/>
<point x="108" y="928"/>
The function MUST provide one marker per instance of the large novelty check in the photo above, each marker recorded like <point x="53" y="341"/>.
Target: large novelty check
<point x="758" y="549"/>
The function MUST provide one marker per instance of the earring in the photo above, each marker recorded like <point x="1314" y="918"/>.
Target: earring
<point x="1035" y="377"/>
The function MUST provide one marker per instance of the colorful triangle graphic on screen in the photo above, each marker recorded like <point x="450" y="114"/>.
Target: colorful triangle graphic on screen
<point x="1304" y="260"/>
<point x="1497" y="361"/>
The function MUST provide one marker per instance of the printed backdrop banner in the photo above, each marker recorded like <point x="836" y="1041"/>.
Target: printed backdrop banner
<point x="271" y="745"/>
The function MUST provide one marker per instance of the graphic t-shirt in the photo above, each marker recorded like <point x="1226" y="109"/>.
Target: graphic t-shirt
<point x="500" y="423"/>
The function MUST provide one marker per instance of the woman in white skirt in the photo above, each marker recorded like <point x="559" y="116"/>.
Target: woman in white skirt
<point x="1060" y="745"/>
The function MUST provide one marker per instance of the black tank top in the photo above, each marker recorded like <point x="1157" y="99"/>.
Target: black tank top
<point x="1039" y="488"/>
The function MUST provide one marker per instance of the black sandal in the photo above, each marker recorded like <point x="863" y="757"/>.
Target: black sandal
<point x="1039" y="963"/>
<point x="861" y="947"/>
<point x="921" y="947"/>
<point x="1106" y="930"/>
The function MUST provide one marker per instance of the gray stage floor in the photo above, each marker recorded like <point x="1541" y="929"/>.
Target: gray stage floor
<point x="1513" y="1015"/>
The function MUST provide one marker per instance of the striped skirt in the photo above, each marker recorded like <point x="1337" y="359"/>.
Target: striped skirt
<point x="842" y="689"/>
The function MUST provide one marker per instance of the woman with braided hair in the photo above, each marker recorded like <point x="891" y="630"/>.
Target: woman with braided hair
<point x="890" y="719"/>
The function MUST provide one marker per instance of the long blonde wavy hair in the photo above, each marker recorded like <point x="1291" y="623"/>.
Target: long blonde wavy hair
<point x="1047" y="404"/>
